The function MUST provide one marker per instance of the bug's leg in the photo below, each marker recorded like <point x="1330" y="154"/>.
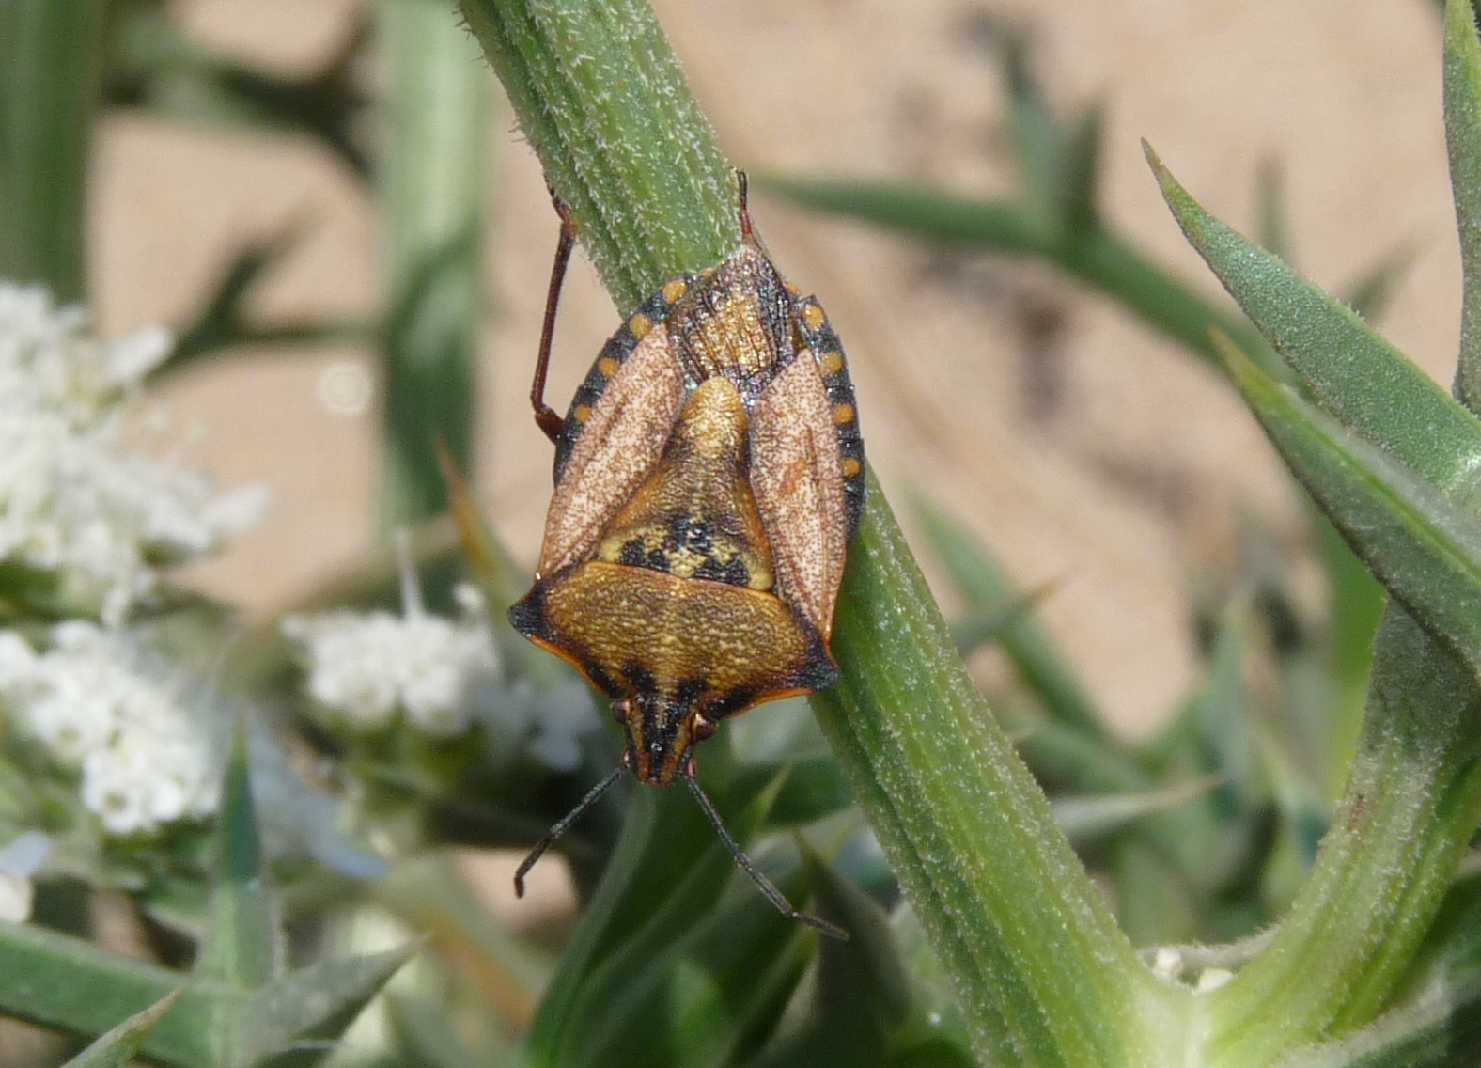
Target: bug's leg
<point x="561" y="827"/>
<point x="743" y="186"/>
<point x="545" y="417"/>
<point x="766" y="886"/>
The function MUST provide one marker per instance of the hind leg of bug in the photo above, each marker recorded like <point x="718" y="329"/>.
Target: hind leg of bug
<point x="545" y="417"/>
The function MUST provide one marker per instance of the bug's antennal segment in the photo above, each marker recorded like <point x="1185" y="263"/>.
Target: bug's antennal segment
<point x="743" y="187"/>
<point x="545" y="416"/>
<point x="562" y="826"/>
<point x="766" y="886"/>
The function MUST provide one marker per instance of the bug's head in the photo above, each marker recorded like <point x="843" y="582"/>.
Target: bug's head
<point x="661" y="729"/>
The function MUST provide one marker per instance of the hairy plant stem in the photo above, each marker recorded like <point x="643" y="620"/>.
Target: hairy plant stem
<point x="1413" y="797"/>
<point x="1034" y="952"/>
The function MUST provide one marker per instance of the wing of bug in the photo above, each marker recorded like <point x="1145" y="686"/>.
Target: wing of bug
<point x="621" y="438"/>
<point x="798" y="480"/>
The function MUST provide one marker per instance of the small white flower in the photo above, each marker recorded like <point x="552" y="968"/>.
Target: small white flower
<point x="1210" y="979"/>
<point x="366" y="667"/>
<point x="73" y="504"/>
<point x="96" y="703"/>
<point x="15" y="897"/>
<point x="50" y="361"/>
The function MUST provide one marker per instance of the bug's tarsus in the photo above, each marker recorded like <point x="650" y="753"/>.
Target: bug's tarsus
<point x="743" y="189"/>
<point x="561" y="827"/>
<point x="766" y="886"/>
<point x="545" y="417"/>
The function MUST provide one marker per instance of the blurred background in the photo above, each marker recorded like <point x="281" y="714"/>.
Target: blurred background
<point x="289" y="187"/>
<point x="1088" y="451"/>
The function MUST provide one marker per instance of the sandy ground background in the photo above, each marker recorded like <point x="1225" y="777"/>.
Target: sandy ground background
<point x="1109" y="460"/>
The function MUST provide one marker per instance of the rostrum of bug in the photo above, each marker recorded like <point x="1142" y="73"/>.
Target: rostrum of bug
<point x="708" y="476"/>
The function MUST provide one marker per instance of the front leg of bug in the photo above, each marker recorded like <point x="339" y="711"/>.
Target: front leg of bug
<point x="545" y="417"/>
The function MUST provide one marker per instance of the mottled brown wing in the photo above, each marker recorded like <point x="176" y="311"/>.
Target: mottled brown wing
<point x="621" y="441"/>
<point x="797" y="477"/>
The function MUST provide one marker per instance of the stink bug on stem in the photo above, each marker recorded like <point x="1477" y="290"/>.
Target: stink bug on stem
<point x="708" y="476"/>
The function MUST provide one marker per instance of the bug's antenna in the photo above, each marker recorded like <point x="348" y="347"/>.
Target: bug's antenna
<point x="743" y="188"/>
<point x="561" y="827"/>
<point x="767" y="887"/>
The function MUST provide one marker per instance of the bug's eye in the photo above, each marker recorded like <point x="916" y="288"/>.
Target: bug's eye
<point x="703" y="728"/>
<point x="620" y="710"/>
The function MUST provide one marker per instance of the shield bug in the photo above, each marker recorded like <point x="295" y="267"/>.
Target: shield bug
<point x="708" y="476"/>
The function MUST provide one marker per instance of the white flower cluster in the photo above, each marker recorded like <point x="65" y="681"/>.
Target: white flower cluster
<point x="73" y="504"/>
<point x="97" y="703"/>
<point x="366" y="667"/>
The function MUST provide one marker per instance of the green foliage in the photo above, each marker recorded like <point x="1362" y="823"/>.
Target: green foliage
<point x="936" y="830"/>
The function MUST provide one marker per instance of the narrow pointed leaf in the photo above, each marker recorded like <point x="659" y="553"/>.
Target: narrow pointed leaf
<point x="642" y="914"/>
<point x="1089" y="819"/>
<point x="986" y="588"/>
<point x="305" y="1009"/>
<point x="1422" y="548"/>
<point x="65" y="983"/>
<point x="241" y="942"/>
<point x="863" y="988"/>
<point x="117" y="1048"/>
<point x="432" y="188"/>
<point x="1463" y="138"/>
<point x="1370" y="292"/>
<point x="1080" y="170"/>
<point x="1352" y="374"/>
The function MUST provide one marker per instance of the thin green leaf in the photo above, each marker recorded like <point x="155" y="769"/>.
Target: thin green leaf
<point x="63" y="982"/>
<point x="1463" y="139"/>
<point x="1353" y="374"/>
<point x="1412" y="802"/>
<point x="643" y="914"/>
<point x="1422" y="547"/>
<point x="153" y="65"/>
<point x="242" y="940"/>
<point x="1095" y="255"/>
<point x="1090" y="819"/>
<point x="984" y="628"/>
<point x="1370" y="292"/>
<point x="117" y="1048"/>
<point x="222" y="323"/>
<point x="51" y="58"/>
<point x="432" y="189"/>
<point x="1080" y="170"/>
<point x="863" y="988"/>
<point x="1440" y="1030"/>
<point x="294" y="1018"/>
<point x="1355" y="601"/>
<point x="986" y="588"/>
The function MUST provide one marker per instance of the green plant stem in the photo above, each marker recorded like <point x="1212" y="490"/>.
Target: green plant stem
<point x="50" y="70"/>
<point x="602" y="100"/>
<point x="1413" y="797"/>
<point x="1030" y="942"/>
<point x="432" y="193"/>
<point x="1037" y="960"/>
